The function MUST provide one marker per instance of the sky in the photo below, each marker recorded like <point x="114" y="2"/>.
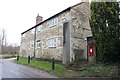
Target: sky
<point x="16" y="16"/>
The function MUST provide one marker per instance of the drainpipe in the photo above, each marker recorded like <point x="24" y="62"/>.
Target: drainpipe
<point x="34" y="42"/>
<point x="71" y="51"/>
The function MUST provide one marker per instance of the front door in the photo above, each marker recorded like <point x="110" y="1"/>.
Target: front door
<point x="66" y="42"/>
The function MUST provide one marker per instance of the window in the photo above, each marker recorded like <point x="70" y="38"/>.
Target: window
<point x="32" y="44"/>
<point x="53" y="22"/>
<point x="39" y="28"/>
<point x="39" y="43"/>
<point x="33" y="31"/>
<point x="53" y="42"/>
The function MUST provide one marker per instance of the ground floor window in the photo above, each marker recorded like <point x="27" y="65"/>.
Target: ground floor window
<point x="32" y="45"/>
<point x="53" y="42"/>
<point x="39" y="43"/>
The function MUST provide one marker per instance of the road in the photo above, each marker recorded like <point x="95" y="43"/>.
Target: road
<point x="12" y="70"/>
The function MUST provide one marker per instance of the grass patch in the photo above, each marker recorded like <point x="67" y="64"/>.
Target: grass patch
<point x="87" y="70"/>
<point x="44" y="65"/>
<point x="99" y="70"/>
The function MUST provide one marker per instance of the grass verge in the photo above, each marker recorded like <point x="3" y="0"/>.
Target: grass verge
<point x="43" y="65"/>
<point x="88" y="70"/>
<point x="99" y="70"/>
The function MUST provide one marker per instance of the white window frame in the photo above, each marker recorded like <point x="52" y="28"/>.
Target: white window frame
<point x="50" y="23"/>
<point x="39" y="28"/>
<point x="39" y="42"/>
<point x="53" y="42"/>
<point x="53" y="22"/>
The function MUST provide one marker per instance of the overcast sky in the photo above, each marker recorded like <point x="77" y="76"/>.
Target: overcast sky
<point x="16" y="16"/>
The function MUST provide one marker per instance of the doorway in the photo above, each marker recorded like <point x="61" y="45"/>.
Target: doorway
<point x="66" y="42"/>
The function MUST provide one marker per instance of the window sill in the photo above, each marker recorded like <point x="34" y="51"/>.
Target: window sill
<point x="52" y="47"/>
<point x="52" y="26"/>
<point x="39" y="31"/>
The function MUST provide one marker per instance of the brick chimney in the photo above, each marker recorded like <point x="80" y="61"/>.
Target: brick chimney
<point x="39" y="19"/>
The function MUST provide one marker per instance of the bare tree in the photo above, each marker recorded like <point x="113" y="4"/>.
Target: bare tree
<point x="3" y="40"/>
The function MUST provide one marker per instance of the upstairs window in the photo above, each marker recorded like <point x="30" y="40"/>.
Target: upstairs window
<point x="53" y="42"/>
<point x="53" y="22"/>
<point x="39" y="29"/>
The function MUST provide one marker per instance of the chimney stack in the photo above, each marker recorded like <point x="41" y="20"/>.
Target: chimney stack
<point x="39" y="19"/>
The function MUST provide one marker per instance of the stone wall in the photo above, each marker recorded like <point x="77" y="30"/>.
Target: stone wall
<point x="80" y="29"/>
<point x="27" y="40"/>
<point x="52" y="32"/>
<point x="44" y="35"/>
<point x="78" y="17"/>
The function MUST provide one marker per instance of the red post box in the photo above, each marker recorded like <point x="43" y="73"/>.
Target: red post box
<point x="90" y="50"/>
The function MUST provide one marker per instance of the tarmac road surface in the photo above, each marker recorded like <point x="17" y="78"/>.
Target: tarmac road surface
<point x="12" y="70"/>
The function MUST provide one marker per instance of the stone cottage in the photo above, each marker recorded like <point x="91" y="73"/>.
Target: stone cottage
<point x="63" y="36"/>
